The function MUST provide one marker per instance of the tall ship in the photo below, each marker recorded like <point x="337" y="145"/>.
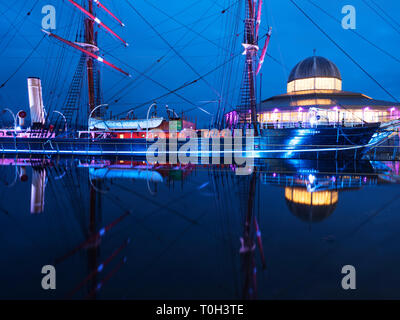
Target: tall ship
<point x="314" y="119"/>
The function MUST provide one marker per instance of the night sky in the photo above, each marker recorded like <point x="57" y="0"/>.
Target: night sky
<point x="200" y="36"/>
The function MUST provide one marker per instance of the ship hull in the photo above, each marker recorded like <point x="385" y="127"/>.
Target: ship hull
<point x="315" y="143"/>
<point x="298" y="143"/>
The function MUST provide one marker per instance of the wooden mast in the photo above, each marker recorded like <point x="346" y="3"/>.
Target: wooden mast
<point x="90" y="40"/>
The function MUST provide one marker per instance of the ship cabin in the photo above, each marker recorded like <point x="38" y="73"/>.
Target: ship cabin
<point x="138" y="128"/>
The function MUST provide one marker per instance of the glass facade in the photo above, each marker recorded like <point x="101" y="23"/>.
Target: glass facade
<point x="314" y="84"/>
<point x="328" y="116"/>
<point x="317" y="198"/>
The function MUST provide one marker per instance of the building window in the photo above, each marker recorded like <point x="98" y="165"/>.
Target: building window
<point x="317" y="83"/>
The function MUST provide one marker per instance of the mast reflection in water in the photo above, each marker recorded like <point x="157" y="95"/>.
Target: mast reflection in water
<point x="126" y="229"/>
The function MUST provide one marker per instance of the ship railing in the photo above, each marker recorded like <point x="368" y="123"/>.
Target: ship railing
<point x="308" y="125"/>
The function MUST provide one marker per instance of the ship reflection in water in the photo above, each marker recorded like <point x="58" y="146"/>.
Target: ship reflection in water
<point x="124" y="229"/>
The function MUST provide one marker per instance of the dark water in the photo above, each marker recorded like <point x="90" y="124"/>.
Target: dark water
<point x="190" y="232"/>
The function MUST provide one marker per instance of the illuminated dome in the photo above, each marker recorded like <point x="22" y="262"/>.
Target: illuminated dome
<point x="311" y="206"/>
<point x="314" y="73"/>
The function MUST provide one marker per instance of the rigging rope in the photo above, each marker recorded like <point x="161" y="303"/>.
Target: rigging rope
<point x="342" y="50"/>
<point x="23" y="62"/>
<point x="356" y="33"/>
<point x="186" y="84"/>
<point x="157" y="62"/>
<point x="382" y="17"/>
<point x="172" y="48"/>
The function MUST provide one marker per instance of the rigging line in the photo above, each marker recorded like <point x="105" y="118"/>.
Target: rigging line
<point x="172" y="47"/>
<point x="33" y="7"/>
<point x="285" y="70"/>
<point x="191" y="29"/>
<point x="168" y="247"/>
<point x="186" y="84"/>
<point x="185" y="26"/>
<point x="227" y="74"/>
<point x="167" y="53"/>
<point x="181" y="27"/>
<point x="355" y="32"/>
<point x="342" y="50"/>
<point x="179" y="13"/>
<point x="13" y="25"/>
<point x="160" y="206"/>
<point x="149" y="78"/>
<point x="22" y="64"/>
<point x="380" y="8"/>
<point x="3" y="37"/>
<point x="152" y="66"/>
<point x="382" y="17"/>
<point x="55" y="89"/>
<point x="220" y="205"/>
<point x="20" y="24"/>
<point x="125" y="207"/>
<point x="169" y="92"/>
<point x="230" y="92"/>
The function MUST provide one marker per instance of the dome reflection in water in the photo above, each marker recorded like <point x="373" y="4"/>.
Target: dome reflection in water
<point x="121" y="228"/>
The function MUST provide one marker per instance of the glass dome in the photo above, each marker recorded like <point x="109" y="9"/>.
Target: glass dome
<point x="314" y="73"/>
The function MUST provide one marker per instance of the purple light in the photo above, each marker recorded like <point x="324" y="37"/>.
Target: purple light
<point x="366" y="108"/>
<point x="276" y="110"/>
<point x="300" y="109"/>
<point x="335" y="108"/>
<point x="392" y="109"/>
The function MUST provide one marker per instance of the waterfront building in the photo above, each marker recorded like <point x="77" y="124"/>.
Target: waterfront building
<point x="315" y="96"/>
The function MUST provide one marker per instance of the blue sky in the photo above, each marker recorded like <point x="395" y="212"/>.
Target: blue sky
<point x="199" y="44"/>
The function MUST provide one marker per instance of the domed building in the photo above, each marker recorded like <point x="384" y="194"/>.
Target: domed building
<point x="314" y="94"/>
<point x="311" y="206"/>
<point x="314" y="73"/>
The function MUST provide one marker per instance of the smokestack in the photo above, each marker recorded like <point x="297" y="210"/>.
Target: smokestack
<point x="38" y="191"/>
<point x="36" y="100"/>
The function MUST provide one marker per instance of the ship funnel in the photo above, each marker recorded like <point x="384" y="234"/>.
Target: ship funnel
<point x="36" y="100"/>
<point x="38" y="188"/>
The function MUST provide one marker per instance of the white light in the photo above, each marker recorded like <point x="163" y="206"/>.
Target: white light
<point x="97" y="20"/>
<point x="100" y="59"/>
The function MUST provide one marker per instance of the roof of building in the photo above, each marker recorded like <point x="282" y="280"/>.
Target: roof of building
<point x="324" y="98"/>
<point x="315" y="67"/>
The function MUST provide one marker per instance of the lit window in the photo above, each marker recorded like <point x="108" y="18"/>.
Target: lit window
<point x="314" y="84"/>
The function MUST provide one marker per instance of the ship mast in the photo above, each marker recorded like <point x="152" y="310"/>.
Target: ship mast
<point x="90" y="56"/>
<point x="91" y="45"/>
<point x="248" y="101"/>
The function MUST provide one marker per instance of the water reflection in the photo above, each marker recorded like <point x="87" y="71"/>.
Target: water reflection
<point x="38" y="189"/>
<point x="100" y="204"/>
